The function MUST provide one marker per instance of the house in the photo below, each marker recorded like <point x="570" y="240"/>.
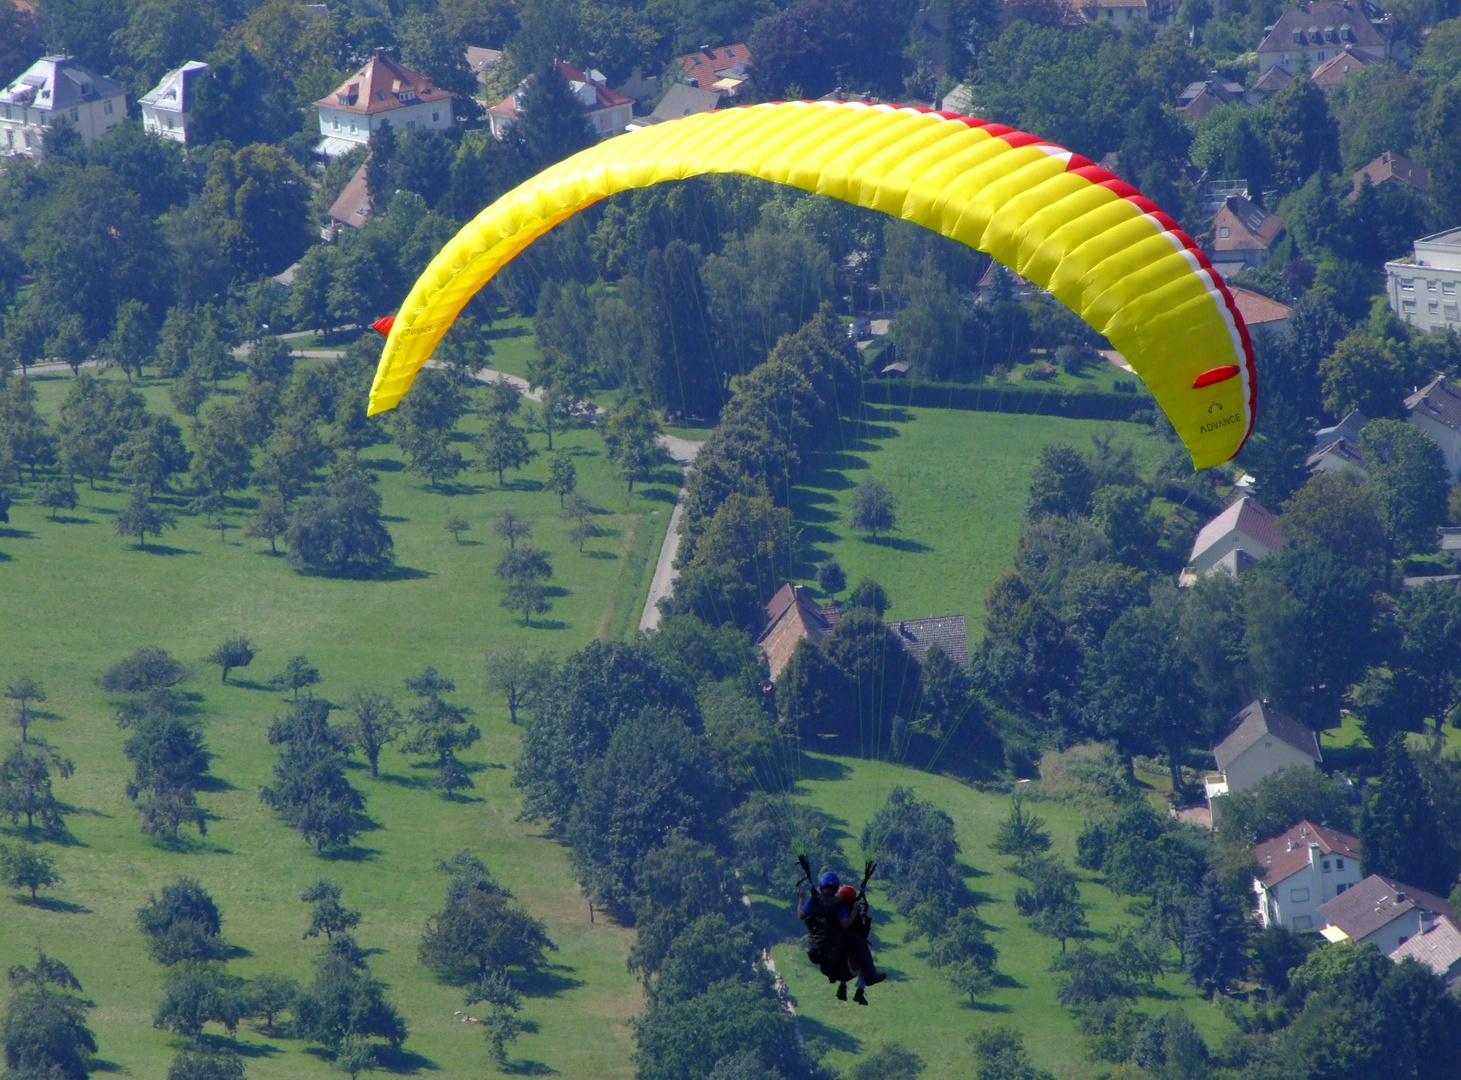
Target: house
<point x="1242" y="233"/>
<point x="1438" y="947"/>
<point x="1338" y="68"/>
<point x="1436" y="409"/>
<point x="946" y="631"/>
<point x="999" y="282"/>
<point x="1390" y="166"/>
<point x="1200" y="98"/>
<point x="1262" y="739"/>
<point x="1311" y="34"/>
<point x="1272" y="81"/>
<point x="1120" y="12"/>
<point x="1337" y="456"/>
<point x="791" y="616"/>
<point x="482" y="62"/>
<point x="1301" y="869"/>
<point x="1245" y="526"/>
<point x="352" y="206"/>
<point x="1348" y="429"/>
<point x="166" y="106"/>
<point x="723" y="69"/>
<point x="607" y="111"/>
<point x="1423" y="288"/>
<point x="57" y="90"/>
<point x="682" y="99"/>
<point x="1259" y="311"/>
<point x="384" y="91"/>
<point x="1381" y="912"/>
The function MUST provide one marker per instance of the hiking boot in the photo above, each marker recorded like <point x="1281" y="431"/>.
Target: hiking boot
<point x="842" y="992"/>
<point x="875" y="978"/>
<point x="860" y="997"/>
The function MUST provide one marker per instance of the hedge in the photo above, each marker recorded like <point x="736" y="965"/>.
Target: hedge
<point x="1079" y="405"/>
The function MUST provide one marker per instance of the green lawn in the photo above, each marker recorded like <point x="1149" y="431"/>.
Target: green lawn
<point x="74" y="598"/>
<point x="916" y="1006"/>
<point x="961" y="480"/>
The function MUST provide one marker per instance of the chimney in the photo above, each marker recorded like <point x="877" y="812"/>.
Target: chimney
<point x="1314" y="855"/>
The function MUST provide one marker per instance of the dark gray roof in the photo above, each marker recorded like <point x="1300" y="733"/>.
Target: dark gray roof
<point x="1260" y="719"/>
<point x="174" y="92"/>
<point x="1377" y="901"/>
<point x="1319" y="25"/>
<point x="946" y="631"/>
<point x="1348" y="428"/>
<point x="1439" y="401"/>
<point x="58" y="82"/>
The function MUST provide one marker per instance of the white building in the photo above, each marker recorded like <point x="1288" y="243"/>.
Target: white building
<point x="1304" y="867"/>
<point x="382" y="92"/>
<point x="1245" y="527"/>
<point x="1423" y="288"/>
<point x="1308" y="36"/>
<point x="1261" y="740"/>
<point x="1382" y="912"/>
<point x="1436" y="409"/>
<point x="607" y="111"/>
<point x="57" y="89"/>
<point x="1120" y="12"/>
<point x="166" y="106"/>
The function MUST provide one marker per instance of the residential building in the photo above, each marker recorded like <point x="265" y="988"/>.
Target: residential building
<point x="1436" y="409"/>
<point x="1438" y="947"/>
<point x="1348" y="429"/>
<point x="1202" y="97"/>
<point x="57" y="90"/>
<point x="682" y="99"/>
<point x="166" y="106"/>
<point x="1262" y="739"/>
<point x="1245" y="526"/>
<point x="1311" y="34"/>
<point x="607" y="111"/>
<point x="1338" y="68"/>
<point x="1242" y="233"/>
<point x="1382" y="912"/>
<point x="351" y="208"/>
<point x="1272" y="81"/>
<point x="1260" y="312"/>
<point x="1423" y="288"/>
<point x="1120" y="12"/>
<point x="948" y="632"/>
<point x="724" y="68"/>
<point x="791" y="616"/>
<point x="384" y="91"/>
<point x="1301" y="869"/>
<point x="1336" y="456"/>
<point x="1390" y="166"/>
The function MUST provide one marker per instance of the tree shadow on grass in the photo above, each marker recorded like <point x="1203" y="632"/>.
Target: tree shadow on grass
<point x="897" y="543"/>
<point x="545" y="982"/>
<point x="250" y="684"/>
<point x="826" y="1035"/>
<point x="818" y="767"/>
<point x="547" y="624"/>
<point x="238" y="1046"/>
<point x="16" y="534"/>
<point x="51" y="903"/>
<point x="353" y="853"/>
<point x="385" y="464"/>
<point x="67" y="519"/>
<point x="660" y="494"/>
<point x="6" y="558"/>
<point x="526" y="1067"/>
<point x="398" y="1060"/>
<point x="1007" y="982"/>
<point x="985" y="1006"/>
<point x="414" y="783"/>
<point x="214" y="784"/>
<point x="600" y="554"/>
<point x="163" y="549"/>
<point x="102" y="1065"/>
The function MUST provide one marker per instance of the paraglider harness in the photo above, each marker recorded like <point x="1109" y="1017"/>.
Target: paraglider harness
<point x="826" y="949"/>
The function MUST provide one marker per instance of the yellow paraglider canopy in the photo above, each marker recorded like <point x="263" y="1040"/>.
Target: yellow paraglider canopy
<point x="1065" y="224"/>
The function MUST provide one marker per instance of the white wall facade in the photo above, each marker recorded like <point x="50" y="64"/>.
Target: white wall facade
<point x="1226" y="544"/>
<point x="1294" y="902"/>
<point x="1449" y="441"/>
<point x="23" y="127"/>
<point x="1425" y="297"/>
<point x="1268" y="755"/>
<point x="1395" y="933"/>
<point x="356" y="127"/>
<point x="165" y="124"/>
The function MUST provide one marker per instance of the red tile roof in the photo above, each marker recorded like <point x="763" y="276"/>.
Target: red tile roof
<point x="704" y="66"/>
<point x="1392" y="166"/>
<point x="790" y="617"/>
<point x="381" y="85"/>
<point x="1246" y="517"/>
<point x="1337" y="69"/>
<point x="1250" y="227"/>
<point x="1288" y="852"/>
<point x="604" y="97"/>
<point x="1256" y="308"/>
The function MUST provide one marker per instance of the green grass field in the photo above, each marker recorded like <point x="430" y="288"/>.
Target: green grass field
<point x="916" y="1006"/>
<point x="961" y="480"/>
<point x="75" y="597"/>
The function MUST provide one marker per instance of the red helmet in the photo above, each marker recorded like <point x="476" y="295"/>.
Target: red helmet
<point x="847" y="894"/>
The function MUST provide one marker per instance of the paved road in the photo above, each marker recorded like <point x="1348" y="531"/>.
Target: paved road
<point x="663" y="582"/>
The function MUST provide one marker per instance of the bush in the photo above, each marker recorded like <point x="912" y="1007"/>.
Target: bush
<point x="183" y="925"/>
<point x="146" y="669"/>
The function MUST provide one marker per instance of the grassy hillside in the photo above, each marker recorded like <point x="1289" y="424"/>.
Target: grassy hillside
<point x="960" y="478"/>
<point x="74" y="598"/>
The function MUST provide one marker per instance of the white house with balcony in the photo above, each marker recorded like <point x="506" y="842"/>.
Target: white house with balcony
<point x="166" y="106"/>
<point x="1261" y="740"/>
<point x="1425" y="289"/>
<point x="57" y="90"/>
<point x="1304" y="867"/>
<point x="384" y="91"/>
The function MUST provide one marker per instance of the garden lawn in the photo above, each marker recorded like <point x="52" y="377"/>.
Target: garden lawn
<point x="961" y="480"/>
<point x="75" y="598"/>
<point x="916" y="1006"/>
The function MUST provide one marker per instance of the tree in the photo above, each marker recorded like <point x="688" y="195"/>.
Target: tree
<point x="456" y="525"/>
<point x="375" y="724"/>
<point x="26" y="867"/>
<point x="196" y="994"/>
<point x="512" y="527"/>
<point x="1061" y="483"/>
<point x="23" y="691"/>
<point x="440" y="728"/>
<point x="999" y="1054"/>
<point x="1281" y="799"/>
<point x="581" y="514"/>
<point x="562" y="476"/>
<point x="946" y="696"/>
<point x="830" y="578"/>
<point x="235" y="652"/>
<point x="480" y="931"/>
<point x="297" y="675"/>
<point x="271" y="994"/>
<point x="140" y="518"/>
<point x="1337" y="511"/>
<point x="44" y="1032"/>
<point x="206" y="1065"/>
<point x="873" y="508"/>
<point x="1408" y="473"/>
<point x="1303" y="134"/>
<point x="1215" y="936"/>
<point x="550" y="125"/>
<point x="152" y="454"/>
<point x="524" y="570"/>
<point x="148" y="668"/>
<point x="344" y="1002"/>
<point x="1021" y="834"/>
<point x="890" y="1061"/>
<point x="631" y="437"/>
<point x="25" y="787"/>
<point x="521" y="679"/>
<point x="327" y="915"/>
<point x="342" y="531"/>
<point x="1399" y="822"/>
<point x="183" y="924"/>
<point x="310" y="790"/>
<point x="257" y="204"/>
<point x="870" y="595"/>
<point x="271" y="522"/>
<point x="58" y="495"/>
<point x="503" y="446"/>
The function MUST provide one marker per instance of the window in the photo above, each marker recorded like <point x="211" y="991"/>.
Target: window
<point x="1304" y="922"/>
<point x="1430" y="286"/>
<point x="410" y="125"/>
<point x="1299" y="896"/>
<point x="1452" y="312"/>
<point x="1448" y="288"/>
<point x="336" y="123"/>
<point x="7" y="112"/>
<point x="1408" y="284"/>
<point x="106" y="106"/>
<point x="1408" y="305"/>
<point x="1321" y="54"/>
<point x="1223" y="232"/>
<point x="436" y="117"/>
<point x="1339" y="865"/>
<point x="1433" y="307"/>
<point x="75" y="116"/>
<point x="352" y="127"/>
<point x="1340" y="889"/>
<point x="1326" y="866"/>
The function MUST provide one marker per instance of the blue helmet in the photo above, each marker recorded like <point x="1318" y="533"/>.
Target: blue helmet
<point x="828" y="878"/>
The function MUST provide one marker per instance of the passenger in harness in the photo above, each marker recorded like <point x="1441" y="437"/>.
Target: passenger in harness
<point x="838" y="925"/>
